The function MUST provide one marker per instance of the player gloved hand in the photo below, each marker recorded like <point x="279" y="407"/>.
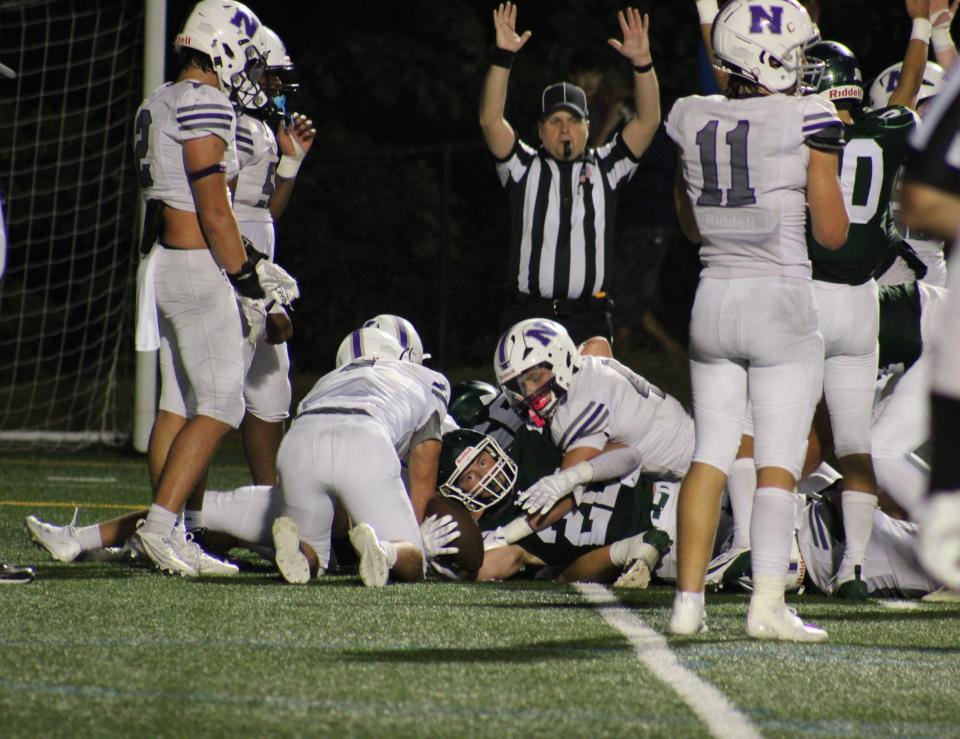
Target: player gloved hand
<point x="277" y="283"/>
<point x="437" y="533"/>
<point x="544" y="494"/>
<point x="939" y="546"/>
<point x="250" y="296"/>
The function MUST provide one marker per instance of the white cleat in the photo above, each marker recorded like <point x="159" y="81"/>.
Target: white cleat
<point x="782" y="624"/>
<point x="164" y="553"/>
<point x="636" y="576"/>
<point x="60" y="541"/>
<point x="291" y="562"/>
<point x="192" y="553"/>
<point x="374" y="569"/>
<point x="942" y="595"/>
<point x="687" y="617"/>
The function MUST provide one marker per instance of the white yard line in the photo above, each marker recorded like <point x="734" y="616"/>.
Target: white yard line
<point x="69" y="478"/>
<point x="712" y="707"/>
<point x="899" y="605"/>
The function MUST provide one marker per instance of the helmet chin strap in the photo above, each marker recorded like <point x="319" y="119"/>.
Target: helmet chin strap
<point x="539" y="405"/>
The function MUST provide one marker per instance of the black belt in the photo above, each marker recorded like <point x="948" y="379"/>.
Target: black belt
<point x="334" y="412"/>
<point x="561" y="306"/>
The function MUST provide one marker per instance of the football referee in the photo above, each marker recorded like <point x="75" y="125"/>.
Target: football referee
<point x="563" y="196"/>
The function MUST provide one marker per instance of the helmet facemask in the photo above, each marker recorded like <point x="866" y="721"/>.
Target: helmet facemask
<point x="540" y="405"/>
<point x="496" y="482"/>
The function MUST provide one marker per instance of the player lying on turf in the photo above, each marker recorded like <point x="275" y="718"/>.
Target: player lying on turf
<point x="608" y="532"/>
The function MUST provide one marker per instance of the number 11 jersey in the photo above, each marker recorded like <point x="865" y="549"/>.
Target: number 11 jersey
<point x="744" y="162"/>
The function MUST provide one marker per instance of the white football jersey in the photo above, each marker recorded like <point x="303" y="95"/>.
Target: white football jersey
<point x="177" y="112"/>
<point x="608" y="402"/>
<point x="258" y="157"/>
<point x="400" y="395"/>
<point x="745" y="167"/>
<point x="891" y="564"/>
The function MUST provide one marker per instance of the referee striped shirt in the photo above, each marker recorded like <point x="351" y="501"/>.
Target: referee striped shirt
<point x="562" y="217"/>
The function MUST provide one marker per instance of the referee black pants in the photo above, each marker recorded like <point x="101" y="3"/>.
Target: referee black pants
<point x="583" y="319"/>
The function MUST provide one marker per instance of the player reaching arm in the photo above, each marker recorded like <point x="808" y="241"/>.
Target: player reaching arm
<point x="942" y="13"/>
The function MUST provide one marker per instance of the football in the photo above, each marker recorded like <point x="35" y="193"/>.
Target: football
<point x="470" y="543"/>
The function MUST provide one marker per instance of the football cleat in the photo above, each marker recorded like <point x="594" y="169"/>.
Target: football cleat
<point x="777" y="622"/>
<point x="639" y="568"/>
<point x="190" y="551"/>
<point x="687" y="617"/>
<point x="60" y="541"/>
<point x="942" y="595"/>
<point x="728" y="566"/>
<point x="14" y="575"/>
<point x="374" y="569"/>
<point x="291" y="562"/>
<point x="854" y="589"/>
<point x="636" y="575"/>
<point x="164" y="553"/>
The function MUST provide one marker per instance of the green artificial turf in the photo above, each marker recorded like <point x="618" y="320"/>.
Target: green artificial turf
<point x="94" y="649"/>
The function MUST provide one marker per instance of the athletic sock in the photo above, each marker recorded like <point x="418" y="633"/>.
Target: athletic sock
<point x="390" y="549"/>
<point x="771" y="528"/>
<point x="633" y="548"/>
<point x="857" y="525"/>
<point x="159" y="521"/>
<point x="741" y="486"/>
<point x="89" y="537"/>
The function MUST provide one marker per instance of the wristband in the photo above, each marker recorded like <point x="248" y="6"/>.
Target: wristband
<point x="642" y="69"/>
<point x="921" y="30"/>
<point x="941" y="38"/>
<point x="502" y="58"/>
<point x="288" y="167"/>
<point x="707" y="10"/>
<point x="246" y="282"/>
<point x="516" y="530"/>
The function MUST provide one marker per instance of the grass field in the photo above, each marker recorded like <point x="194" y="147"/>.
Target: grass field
<point x="103" y="649"/>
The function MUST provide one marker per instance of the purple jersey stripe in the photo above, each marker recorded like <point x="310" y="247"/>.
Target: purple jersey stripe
<point x="564" y="440"/>
<point x="356" y="345"/>
<point x="820" y="126"/>
<point x="193" y="117"/>
<point x="586" y="425"/>
<point x="818" y="116"/>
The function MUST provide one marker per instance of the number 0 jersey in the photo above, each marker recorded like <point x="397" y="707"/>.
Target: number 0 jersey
<point x="876" y="146"/>
<point x="745" y="163"/>
<point x="609" y="402"/>
<point x="258" y="157"/>
<point x="174" y="113"/>
<point x="402" y="396"/>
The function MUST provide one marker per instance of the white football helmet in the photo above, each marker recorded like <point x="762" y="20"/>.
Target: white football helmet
<point x="763" y="41"/>
<point x="536" y="342"/>
<point x="278" y="83"/>
<point x="226" y="31"/>
<point x="458" y="451"/>
<point x="367" y="343"/>
<point x="886" y="82"/>
<point x="403" y="331"/>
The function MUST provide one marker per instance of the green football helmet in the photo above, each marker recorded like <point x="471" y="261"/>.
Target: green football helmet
<point x="470" y="402"/>
<point x="839" y="79"/>
<point x="483" y="486"/>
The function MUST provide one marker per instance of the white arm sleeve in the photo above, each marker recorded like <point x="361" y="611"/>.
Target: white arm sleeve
<point x="615" y="463"/>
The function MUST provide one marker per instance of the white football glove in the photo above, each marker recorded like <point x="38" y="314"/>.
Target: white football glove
<point x="277" y="283"/>
<point x="255" y="315"/>
<point x="939" y="546"/>
<point x="437" y="533"/>
<point x="544" y="494"/>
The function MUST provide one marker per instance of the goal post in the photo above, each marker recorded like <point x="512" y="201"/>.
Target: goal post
<point x="72" y="206"/>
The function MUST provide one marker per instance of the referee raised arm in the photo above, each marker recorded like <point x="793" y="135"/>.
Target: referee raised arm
<point x="563" y="195"/>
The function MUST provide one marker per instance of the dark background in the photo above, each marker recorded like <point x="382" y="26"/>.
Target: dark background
<point x="397" y="209"/>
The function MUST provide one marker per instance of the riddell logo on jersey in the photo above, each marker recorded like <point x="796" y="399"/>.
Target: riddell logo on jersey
<point x="736" y="220"/>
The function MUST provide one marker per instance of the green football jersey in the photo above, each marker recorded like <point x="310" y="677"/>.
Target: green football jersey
<point x="900" y="339"/>
<point x="606" y="512"/>
<point x="875" y="149"/>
